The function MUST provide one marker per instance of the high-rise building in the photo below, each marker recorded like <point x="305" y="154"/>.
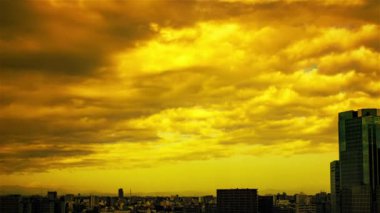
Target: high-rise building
<point x="51" y="204"/>
<point x="121" y="193"/>
<point x="359" y="156"/>
<point x="335" y="186"/>
<point x="237" y="200"/>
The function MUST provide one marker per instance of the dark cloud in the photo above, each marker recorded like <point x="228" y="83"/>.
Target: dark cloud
<point x="70" y="42"/>
<point x="65" y="43"/>
<point x="11" y="166"/>
<point x="41" y="157"/>
<point x="16" y="17"/>
<point x="52" y="131"/>
<point x="53" y="62"/>
<point x="46" y="153"/>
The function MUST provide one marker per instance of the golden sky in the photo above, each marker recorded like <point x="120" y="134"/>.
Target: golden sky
<point x="182" y="96"/>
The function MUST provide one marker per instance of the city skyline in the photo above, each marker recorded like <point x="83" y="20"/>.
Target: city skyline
<point x="181" y="96"/>
<point x="226" y="200"/>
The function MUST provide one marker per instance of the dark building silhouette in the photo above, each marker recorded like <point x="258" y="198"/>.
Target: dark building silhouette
<point x="283" y="209"/>
<point x="52" y="196"/>
<point x="121" y="193"/>
<point x="322" y="202"/>
<point x="304" y="204"/>
<point x="237" y="201"/>
<point x="266" y="204"/>
<point x="335" y="186"/>
<point x="10" y="204"/>
<point x="359" y="151"/>
<point x="50" y="205"/>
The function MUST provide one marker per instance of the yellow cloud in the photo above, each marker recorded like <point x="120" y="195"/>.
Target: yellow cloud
<point x="182" y="124"/>
<point x="222" y="45"/>
<point x="168" y="87"/>
<point x="176" y="49"/>
<point x="331" y="39"/>
<point x="361" y="59"/>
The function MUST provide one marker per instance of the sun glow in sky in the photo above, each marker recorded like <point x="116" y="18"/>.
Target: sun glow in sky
<point x="181" y="96"/>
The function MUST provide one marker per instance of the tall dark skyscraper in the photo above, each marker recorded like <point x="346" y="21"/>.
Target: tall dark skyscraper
<point x="237" y="200"/>
<point x="359" y="152"/>
<point x="335" y="186"/>
<point x="121" y="193"/>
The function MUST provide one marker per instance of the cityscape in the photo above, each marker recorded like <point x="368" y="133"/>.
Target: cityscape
<point x="231" y="200"/>
<point x="354" y="183"/>
<point x="189" y="106"/>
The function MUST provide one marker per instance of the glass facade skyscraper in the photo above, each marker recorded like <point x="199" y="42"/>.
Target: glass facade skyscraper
<point x="335" y="186"/>
<point x="359" y="155"/>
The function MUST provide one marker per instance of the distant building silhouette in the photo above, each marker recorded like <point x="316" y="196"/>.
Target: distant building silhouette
<point x="359" y="162"/>
<point x="52" y="196"/>
<point x="322" y="202"/>
<point x="266" y="204"/>
<point x="304" y="204"/>
<point x="237" y="200"/>
<point x="10" y="204"/>
<point x="50" y="205"/>
<point x="121" y="193"/>
<point x="335" y="186"/>
<point x="93" y="201"/>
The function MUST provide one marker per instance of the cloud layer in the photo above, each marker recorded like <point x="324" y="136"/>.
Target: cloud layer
<point x="131" y="84"/>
